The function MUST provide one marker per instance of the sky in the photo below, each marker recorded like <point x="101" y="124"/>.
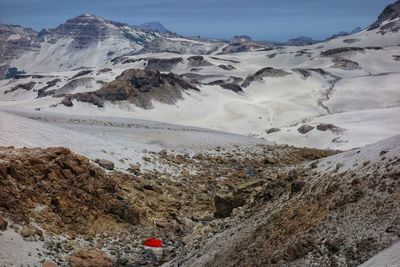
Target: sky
<point x="275" y="20"/>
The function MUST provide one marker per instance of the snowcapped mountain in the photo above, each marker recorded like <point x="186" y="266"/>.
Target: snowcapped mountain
<point x="87" y="41"/>
<point x="84" y="41"/>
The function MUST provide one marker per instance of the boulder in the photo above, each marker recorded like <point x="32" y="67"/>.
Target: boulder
<point x="163" y="64"/>
<point x="90" y="257"/>
<point x="296" y="187"/>
<point x="106" y="164"/>
<point x="3" y="224"/>
<point x="224" y="204"/>
<point x="305" y="129"/>
<point x="125" y="211"/>
<point x="327" y="126"/>
<point x="67" y="101"/>
<point x="198" y="61"/>
<point x="340" y="51"/>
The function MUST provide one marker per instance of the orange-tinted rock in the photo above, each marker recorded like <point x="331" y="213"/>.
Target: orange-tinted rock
<point x="49" y="264"/>
<point x="90" y="258"/>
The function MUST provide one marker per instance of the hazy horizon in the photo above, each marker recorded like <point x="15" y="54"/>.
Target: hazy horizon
<point x="262" y="20"/>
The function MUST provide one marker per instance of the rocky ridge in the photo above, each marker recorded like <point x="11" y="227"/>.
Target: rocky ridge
<point x="139" y="87"/>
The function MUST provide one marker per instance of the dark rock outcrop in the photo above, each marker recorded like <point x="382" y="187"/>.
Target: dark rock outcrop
<point x="340" y="51"/>
<point x="161" y="64"/>
<point x="237" y="47"/>
<point x="81" y="73"/>
<point x="328" y="126"/>
<point x="226" y="67"/>
<point x="273" y="130"/>
<point x="303" y="72"/>
<point x="70" y="86"/>
<point x="265" y="72"/>
<point x="345" y="64"/>
<point x="305" y="129"/>
<point x="232" y="87"/>
<point x="106" y="164"/>
<point x="139" y="87"/>
<point x="226" y="85"/>
<point x="226" y="60"/>
<point x="198" y="61"/>
<point x="104" y="70"/>
<point x="390" y="13"/>
<point x="25" y="86"/>
<point x="224" y="205"/>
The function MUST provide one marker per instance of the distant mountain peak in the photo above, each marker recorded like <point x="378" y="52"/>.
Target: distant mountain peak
<point x="154" y="26"/>
<point x="241" y="39"/>
<point x="344" y="33"/>
<point x="356" y="30"/>
<point x="301" y="41"/>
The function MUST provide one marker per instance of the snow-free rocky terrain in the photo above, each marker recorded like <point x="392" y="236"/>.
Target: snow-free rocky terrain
<point x="231" y="152"/>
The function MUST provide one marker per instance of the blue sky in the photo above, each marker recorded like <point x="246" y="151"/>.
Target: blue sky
<point x="261" y="19"/>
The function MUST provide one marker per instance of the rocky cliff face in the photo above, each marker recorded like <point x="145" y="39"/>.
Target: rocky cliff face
<point x="14" y="41"/>
<point x="389" y="19"/>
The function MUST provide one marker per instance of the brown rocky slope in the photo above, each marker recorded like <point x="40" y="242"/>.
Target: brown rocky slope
<point x="63" y="200"/>
<point x="260" y="205"/>
<point x="340" y="212"/>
